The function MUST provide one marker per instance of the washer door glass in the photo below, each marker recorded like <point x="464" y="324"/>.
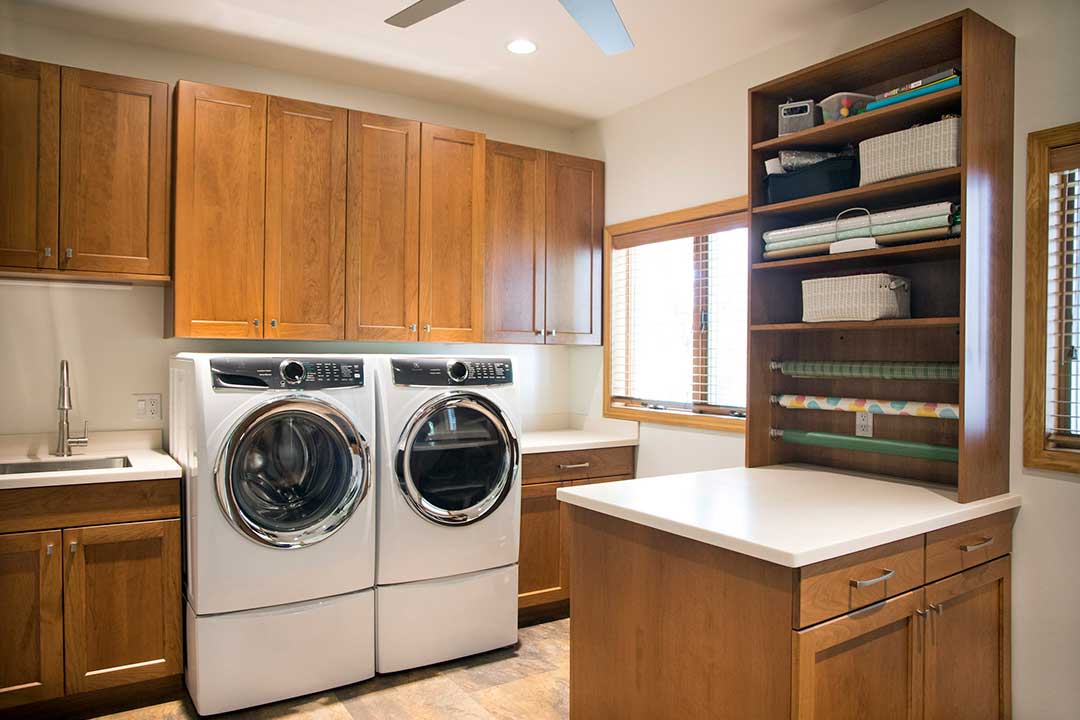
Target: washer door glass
<point x="293" y="472"/>
<point x="457" y="459"/>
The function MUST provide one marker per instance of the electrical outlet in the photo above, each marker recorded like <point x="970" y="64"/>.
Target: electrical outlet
<point x="864" y="424"/>
<point x="147" y="406"/>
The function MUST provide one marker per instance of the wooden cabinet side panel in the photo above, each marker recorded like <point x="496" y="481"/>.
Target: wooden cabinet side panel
<point x="514" y="287"/>
<point x="305" y="220"/>
<point x="114" y="181"/>
<point x="451" y="235"/>
<point x="32" y="642"/>
<point x="30" y="171"/>
<point x="122" y="604"/>
<point x="383" y="257"/>
<point x="219" y="219"/>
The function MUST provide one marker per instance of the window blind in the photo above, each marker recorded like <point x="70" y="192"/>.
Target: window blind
<point x="1063" y="300"/>
<point x="678" y="319"/>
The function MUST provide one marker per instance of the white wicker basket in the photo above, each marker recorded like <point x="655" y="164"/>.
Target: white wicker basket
<point x="909" y="152"/>
<point x="856" y="297"/>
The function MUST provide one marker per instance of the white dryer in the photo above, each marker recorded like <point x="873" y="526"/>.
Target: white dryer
<point x="279" y="521"/>
<point x="449" y="509"/>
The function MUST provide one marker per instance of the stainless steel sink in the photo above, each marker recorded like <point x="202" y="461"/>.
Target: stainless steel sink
<point x="39" y="466"/>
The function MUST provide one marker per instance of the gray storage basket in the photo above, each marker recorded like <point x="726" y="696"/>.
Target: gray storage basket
<point x="909" y="152"/>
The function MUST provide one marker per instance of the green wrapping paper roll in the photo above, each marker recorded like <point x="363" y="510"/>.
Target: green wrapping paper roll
<point x="878" y="370"/>
<point x="903" y="448"/>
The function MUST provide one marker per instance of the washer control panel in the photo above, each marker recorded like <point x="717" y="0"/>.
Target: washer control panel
<point x="452" y="372"/>
<point x="278" y="373"/>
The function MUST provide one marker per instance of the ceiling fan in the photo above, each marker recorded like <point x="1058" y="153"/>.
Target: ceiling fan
<point x="598" y="18"/>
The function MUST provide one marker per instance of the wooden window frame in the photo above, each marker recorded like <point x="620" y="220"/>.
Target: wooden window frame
<point x="733" y="207"/>
<point x="1036" y="452"/>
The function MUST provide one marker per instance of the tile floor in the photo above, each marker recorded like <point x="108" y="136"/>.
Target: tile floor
<point x="530" y="681"/>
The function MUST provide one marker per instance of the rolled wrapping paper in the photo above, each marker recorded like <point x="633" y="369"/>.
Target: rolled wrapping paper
<point x="872" y="370"/>
<point x="877" y="230"/>
<point x="857" y="221"/>
<point x="947" y="411"/>
<point x="903" y="448"/>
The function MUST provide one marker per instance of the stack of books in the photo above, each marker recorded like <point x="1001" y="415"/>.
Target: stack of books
<point x="934" y="83"/>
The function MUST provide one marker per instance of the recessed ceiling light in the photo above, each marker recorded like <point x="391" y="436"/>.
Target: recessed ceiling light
<point x="521" y="46"/>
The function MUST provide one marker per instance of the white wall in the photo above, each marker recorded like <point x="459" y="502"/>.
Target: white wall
<point x="112" y="335"/>
<point x="689" y="147"/>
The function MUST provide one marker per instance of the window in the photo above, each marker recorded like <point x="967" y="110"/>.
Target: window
<point x="676" y="346"/>
<point x="1052" y="372"/>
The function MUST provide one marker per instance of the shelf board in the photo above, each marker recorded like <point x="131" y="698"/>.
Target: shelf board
<point x="912" y="188"/>
<point x="915" y="252"/>
<point x="893" y="324"/>
<point x="885" y="120"/>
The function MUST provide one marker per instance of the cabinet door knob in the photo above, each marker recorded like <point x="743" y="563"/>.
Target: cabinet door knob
<point x="938" y="608"/>
<point x="551" y="333"/>
<point x="427" y="327"/>
<point x="48" y="252"/>
<point x="273" y="323"/>
<point x="922" y="613"/>
<point x="69" y="253"/>
<point x="255" y="322"/>
<point x="74" y="546"/>
<point x="412" y="327"/>
<point x="49" y="549"/>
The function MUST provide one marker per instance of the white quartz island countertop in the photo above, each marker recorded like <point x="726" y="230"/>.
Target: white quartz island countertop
<point x="543" y="441"/>
<point x="785" y="514"/>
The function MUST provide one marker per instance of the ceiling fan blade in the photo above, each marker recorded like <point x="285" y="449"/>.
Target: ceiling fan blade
<point x="421" y="10"/>
<point x="601" y="20"/>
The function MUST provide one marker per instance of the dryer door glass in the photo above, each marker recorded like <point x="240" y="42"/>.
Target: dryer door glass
<point x="294" y="472"/>
<point x="458" y="459"/>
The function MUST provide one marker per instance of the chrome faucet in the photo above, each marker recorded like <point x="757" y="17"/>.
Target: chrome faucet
<point x="64" y="441"/>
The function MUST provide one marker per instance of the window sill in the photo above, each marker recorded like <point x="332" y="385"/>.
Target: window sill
<point x="1050" y="459"/>
<point x="669" y="417"/>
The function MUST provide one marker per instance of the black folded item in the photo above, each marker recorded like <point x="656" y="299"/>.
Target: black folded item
<point x="838" y="173"/>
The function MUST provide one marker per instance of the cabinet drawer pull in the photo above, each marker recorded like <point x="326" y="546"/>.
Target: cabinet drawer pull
<point x="985" y="542"/>
<point x="574" y="466"/>
<point x="74" y="546"/>
<point x="938" y="608"/>
<point x="885" y="575"/>
<point x="922" y="613"/>
<point x="49" y="549"/>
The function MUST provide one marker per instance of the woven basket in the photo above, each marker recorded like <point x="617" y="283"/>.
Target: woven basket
<point x="909" y="152"/>
<point x="856" y="297"/>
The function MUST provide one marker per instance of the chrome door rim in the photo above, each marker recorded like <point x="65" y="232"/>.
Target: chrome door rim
<point x="359" y="476"/>
<point x="485" y="507"/>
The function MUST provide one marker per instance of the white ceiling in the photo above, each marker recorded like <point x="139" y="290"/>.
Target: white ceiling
<point x="459" y="55"/>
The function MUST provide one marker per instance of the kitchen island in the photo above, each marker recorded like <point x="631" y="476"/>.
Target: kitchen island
<point x="787" y="592"/>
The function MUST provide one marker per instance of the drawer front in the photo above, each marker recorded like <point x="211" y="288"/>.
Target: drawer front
<point x="953" y="549"/>
<point x="58" y="506"/>
<point x="577" y="464"/>
<point x="833" y="587"/>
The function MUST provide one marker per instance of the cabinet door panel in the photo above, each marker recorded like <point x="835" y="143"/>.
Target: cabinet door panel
<point x="867" y="664"/>
<point x="305" y="220"/>
<point x="32" y="642"/>
<point x="967" y="645"/>
<point x="543" y="575"/>
<point x="114" y="189"/>
<point x="575" y="236"/>
<point x="121" y="604"/>
<point x="29" y="162"/>
<point x="451" y="235"/>
<point x="514" y="288"/>
<point x="384" y="228"/>
<point x="220" y="187"/>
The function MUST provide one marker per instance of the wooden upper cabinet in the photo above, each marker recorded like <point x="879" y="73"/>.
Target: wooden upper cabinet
<point x="383" y="258"/>
<point x="967" y="645"/>
<point x="575" y="235"/>
<point x="514" y="287"/>
<point x="305" y="220"/>
<point x="219" y="223"/>
<point x="29" y="162"/>
<point x="121" y="604"/>
<point x="114" y="173"/>
<point x="451" y="235"/>
<point x="32" y="641"/>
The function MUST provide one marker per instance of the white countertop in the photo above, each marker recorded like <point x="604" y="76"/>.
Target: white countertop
<point x="141" y="447"/>
<point x="544" y="441"/>
<point x="785" y="514"/>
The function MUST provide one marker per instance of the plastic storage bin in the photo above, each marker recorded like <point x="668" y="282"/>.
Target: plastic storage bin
<point x="874" y="296"/>
<point x="909" y="152"/>
<point x="838" y="173"/>
<point x="842" y="105"/>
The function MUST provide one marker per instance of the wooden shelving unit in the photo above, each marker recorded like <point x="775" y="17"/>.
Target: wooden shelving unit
<point x="961" y="287"/>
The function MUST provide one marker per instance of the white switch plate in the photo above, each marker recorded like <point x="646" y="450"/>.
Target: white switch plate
<point x="147" y="406"/>
<point x="864" y="424"/>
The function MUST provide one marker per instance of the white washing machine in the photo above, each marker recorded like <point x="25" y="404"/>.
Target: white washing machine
<point x="279" y="522"/>
<point x="449" y="509"/>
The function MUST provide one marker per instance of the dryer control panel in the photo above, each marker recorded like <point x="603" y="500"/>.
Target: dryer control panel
<point x="452" y="372"/>
<point x="286" y="373"/>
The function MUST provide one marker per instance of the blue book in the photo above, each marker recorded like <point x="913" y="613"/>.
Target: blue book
<point x="912" y="94"/>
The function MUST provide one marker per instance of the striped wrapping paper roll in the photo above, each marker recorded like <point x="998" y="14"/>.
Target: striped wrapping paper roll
<point x="874" y="370"/>
<point x="903" y="448"/>
<point x="948" y="411"/>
